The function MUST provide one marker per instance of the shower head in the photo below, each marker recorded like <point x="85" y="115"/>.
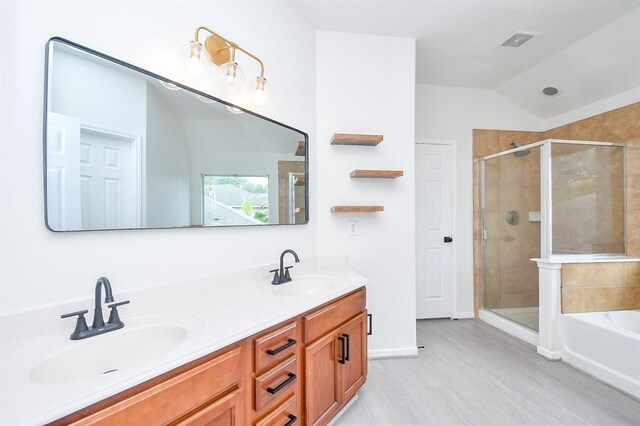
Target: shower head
<point x="522" y="153"/>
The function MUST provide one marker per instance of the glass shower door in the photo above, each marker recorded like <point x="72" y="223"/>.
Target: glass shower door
<point x="511" y="235"/>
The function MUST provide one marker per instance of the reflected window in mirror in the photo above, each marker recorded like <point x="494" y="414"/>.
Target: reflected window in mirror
<point x="128" y="149"/>
<point x="235" y="200"/>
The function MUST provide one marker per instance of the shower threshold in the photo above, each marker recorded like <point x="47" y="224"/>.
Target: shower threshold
<point x="525" y="316"/>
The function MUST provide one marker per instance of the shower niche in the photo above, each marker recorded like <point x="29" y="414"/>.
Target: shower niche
<point x="549" y="198"/>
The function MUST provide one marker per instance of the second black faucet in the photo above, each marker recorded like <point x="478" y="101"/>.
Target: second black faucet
<point x="281" y="275"/>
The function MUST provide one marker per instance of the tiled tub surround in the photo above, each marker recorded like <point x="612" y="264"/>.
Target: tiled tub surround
<point x="594" y="287"/>
<point x="619" y="125"/>
<point x="220" y="310"/>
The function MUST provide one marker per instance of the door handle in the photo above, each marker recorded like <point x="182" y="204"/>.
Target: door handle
<point x="290" y="378"/>
<point x="448" y="239"/>
<point x="292" y="420"/>
<point x="276" y="351"/>
<point x="348" y="344"/>
<point x="343" y="350"/>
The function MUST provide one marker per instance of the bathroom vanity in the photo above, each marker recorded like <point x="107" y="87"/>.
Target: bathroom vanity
<point x="236" y="350"/>
<point x="305" y="368"/>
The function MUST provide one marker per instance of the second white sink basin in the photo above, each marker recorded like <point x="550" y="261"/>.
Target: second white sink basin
<point x="108" y="353"/>
<point x="305" y="286"/>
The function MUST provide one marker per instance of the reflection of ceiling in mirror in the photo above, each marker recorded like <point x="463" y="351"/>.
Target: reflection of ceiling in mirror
<point x="211" y="127"/>
<point x="208" y="126"/>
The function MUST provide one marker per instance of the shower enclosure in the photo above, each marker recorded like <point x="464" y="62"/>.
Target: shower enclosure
<point x="546" y="199"/>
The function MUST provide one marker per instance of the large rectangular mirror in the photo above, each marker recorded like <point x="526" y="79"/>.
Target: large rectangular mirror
<point x="128" y="149"/>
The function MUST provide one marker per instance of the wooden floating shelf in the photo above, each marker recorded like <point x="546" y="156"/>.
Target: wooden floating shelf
<point x="380" y="174"/>
<point x="356" y="209"/>
<point x="352" y="139"/>
<point x="300" y="152"/>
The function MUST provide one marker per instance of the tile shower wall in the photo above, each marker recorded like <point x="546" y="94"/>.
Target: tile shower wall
<point x="619" y="125"/>
<point x="591" y="287"/>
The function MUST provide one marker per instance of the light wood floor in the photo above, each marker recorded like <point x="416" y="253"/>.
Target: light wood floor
<point x="472" y="373"/>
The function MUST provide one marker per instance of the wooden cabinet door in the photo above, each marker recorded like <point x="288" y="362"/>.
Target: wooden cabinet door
<point x="227" y="411"/>
<point x="353" y="373"/>
<point x="322" y="381"/>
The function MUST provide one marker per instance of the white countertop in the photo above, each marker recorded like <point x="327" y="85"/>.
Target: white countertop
<point x="217" y="311"/>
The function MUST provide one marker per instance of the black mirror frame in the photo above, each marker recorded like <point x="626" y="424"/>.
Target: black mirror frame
<point x="181" y="86"/>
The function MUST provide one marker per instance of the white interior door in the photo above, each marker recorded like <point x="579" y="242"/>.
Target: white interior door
<point x="63" y="172"/>
<point x="107" y="181"/>
<point x="434" y="217"/>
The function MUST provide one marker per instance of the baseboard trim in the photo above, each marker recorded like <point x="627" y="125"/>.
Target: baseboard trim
<point x="510" y="327"/>
<point x="393" y="353"/>
<point x="550" y="355"/>
<point x="464" y="315"/>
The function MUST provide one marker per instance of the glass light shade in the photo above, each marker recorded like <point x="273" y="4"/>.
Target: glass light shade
<point x="169" y="86"/>
<point x="235" y="110"/>
<point x="232" y="75"/>
<point x="261" y="92"/>
<point x="205" y="100"/>
<point x="195" y="61"/>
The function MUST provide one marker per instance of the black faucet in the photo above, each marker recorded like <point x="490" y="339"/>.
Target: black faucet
<point x="98" y="327"/>
<point x="98" y="322"/>
<point x="281" y="275"/>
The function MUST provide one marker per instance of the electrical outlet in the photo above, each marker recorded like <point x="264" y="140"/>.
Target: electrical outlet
<point x="353" y="228"/>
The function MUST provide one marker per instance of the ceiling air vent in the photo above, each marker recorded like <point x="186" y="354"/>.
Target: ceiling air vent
<point x="518" y="38"/>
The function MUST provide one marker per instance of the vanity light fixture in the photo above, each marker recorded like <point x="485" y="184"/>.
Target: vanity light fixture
<point x="222" y="52"/>
<point x="169" y="86"/>
<point x="234" y="110"/>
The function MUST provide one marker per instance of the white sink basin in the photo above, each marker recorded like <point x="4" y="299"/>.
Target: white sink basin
<point x="305" y="286"/>
<point x="107" y="353"/>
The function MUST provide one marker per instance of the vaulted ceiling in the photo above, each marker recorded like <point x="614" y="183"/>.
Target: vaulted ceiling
<point x="590" y="49"/>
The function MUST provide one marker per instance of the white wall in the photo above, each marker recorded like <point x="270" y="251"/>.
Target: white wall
<point x="444" y="112"/>
<point x="40" y="267"/>
<point x="168" y="163"/>
<point x="360" y="91"/>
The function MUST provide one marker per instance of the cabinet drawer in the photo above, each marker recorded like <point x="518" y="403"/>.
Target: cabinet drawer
<point x="276" y="384"/>
<point x="227" y="411"/>
<point x="276" y="346"/>
<point x="174" y="398"/>
<point x="286" y="414"/>
<point x="325" y="319"/>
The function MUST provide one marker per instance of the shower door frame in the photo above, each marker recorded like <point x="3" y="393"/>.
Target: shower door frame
<point x="546" y="200"/>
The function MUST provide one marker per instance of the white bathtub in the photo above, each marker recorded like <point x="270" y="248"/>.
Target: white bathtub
<point x="605" y="345"/>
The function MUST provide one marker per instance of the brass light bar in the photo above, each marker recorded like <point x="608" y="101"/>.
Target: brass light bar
<point x="223" y="50"/>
